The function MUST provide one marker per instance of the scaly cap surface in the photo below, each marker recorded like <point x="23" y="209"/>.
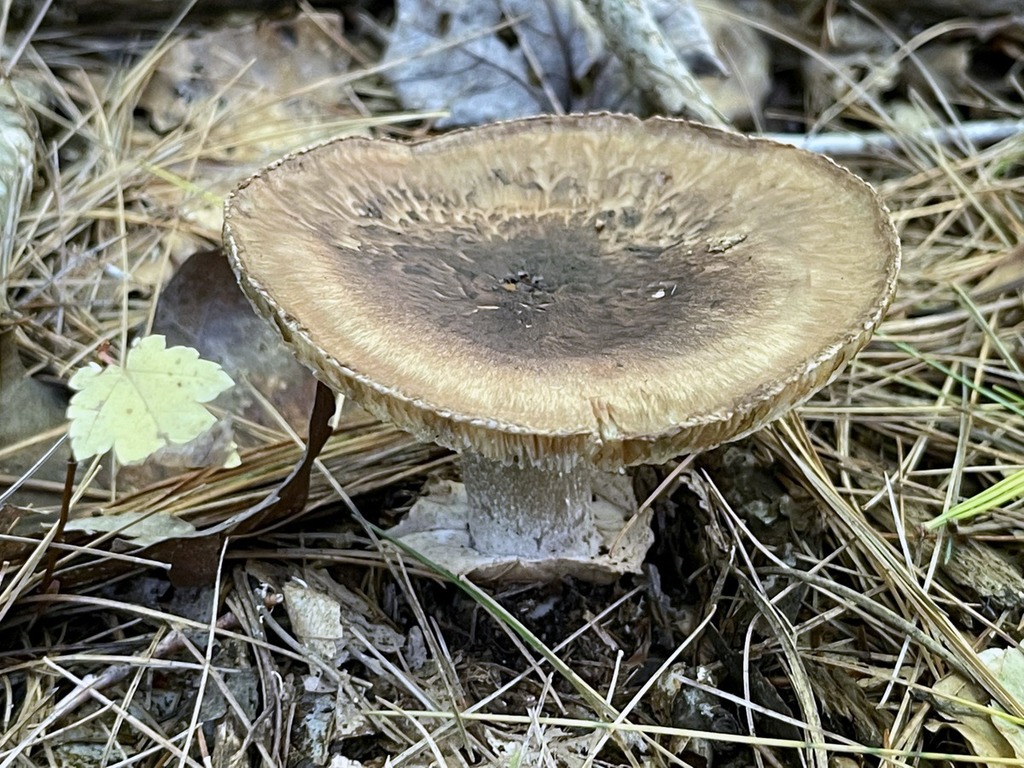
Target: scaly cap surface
<point x="590" y="287"/>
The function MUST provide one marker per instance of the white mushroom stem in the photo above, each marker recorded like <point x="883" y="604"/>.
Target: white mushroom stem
<point x="530" y="512"/>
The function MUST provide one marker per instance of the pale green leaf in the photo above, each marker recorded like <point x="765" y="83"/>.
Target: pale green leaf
<point x="155" y="399"/>
<point x="1008" y="665"/>
<point x="141" y="528"/>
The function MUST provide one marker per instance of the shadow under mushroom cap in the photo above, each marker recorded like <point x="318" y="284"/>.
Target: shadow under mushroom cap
<point x="594" y="287"/>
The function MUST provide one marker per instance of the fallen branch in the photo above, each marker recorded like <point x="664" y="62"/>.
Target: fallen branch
<point x="980" y="132"/>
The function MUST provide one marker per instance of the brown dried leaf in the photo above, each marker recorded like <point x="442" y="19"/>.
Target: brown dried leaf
<point x="28" y="407"/>
<point x="202" y="307"/>
<point x="266" y="78"/>
<point x="983" y="737"/>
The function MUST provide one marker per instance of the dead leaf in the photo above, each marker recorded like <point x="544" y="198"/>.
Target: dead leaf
<point x="989" y="735"/>
<point x="290" y="496"/>
<point x="194" y="559"/>
<point x="349" y="707"/>
<point x="253" y="92"/>
<point x="202" y="307"/>
<point x="315" y="618"/>
<point x="741" y="95"/>
<point x="486" y="60"/>
<point x="215" y="447"/>
<point x="1008" y="666"/>
<point x="267" y="79"/>
<point x="194" y="555"/>
<point x="365" y="622"/>
<point x="29" y="408"/>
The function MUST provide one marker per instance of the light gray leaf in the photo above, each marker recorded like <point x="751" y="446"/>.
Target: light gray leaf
<point x="486" y="60"/>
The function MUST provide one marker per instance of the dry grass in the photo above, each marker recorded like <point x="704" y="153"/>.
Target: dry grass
<point x="827" y="637"/>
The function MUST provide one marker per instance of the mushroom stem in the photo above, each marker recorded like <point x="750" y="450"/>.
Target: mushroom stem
<point x="529" y="512"/>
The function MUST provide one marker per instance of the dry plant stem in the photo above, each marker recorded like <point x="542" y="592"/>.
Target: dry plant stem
<point x="634" y="36"/>
<point x="981" y="132"/>
<point x="62" y="520"/>
<point x="530" y="512"/>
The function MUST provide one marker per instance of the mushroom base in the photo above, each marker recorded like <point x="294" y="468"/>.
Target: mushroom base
<point x="530" y="512"/>
<point x="438" y="527"/>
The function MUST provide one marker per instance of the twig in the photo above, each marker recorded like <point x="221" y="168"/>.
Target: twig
<point x="62" y="520"/>
<point x="976" y="132"/>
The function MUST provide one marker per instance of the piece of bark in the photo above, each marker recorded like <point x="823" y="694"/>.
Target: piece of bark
<point x="988" y="573"/>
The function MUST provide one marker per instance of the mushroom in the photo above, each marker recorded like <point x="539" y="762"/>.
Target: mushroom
<point x="558" y="298"/>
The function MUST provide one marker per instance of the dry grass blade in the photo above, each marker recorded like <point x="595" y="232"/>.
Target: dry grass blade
<point x="953" y="645"/>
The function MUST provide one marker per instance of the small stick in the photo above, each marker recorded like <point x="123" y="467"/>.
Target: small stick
<point x="62" y="520"/>
<point x="975" y="132"/>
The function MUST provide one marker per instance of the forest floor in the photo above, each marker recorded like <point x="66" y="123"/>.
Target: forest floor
<point x="799" y="606"/>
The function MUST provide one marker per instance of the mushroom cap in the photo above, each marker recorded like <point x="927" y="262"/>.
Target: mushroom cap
<point x="556" y="289"/>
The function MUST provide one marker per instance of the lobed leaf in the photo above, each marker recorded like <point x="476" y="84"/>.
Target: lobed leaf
<point x="155" y="399"/>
